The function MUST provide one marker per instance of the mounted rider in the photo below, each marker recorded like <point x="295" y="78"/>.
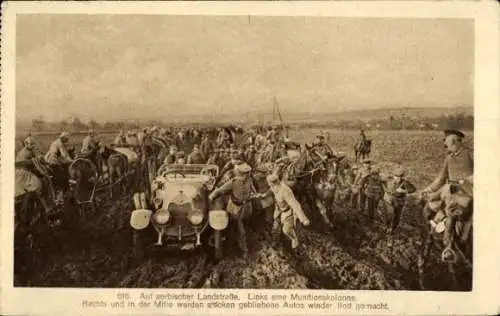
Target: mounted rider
<point x="90" y="148"/>
<point x="362" y="136"/>
<point x="58" y="158"/>
<point x="287" y="209"/>
<point x="452" y="187"/>
<point x="241" y="190"/>
<point x="321" y="149"/>
<point x="27" y="178"/>
<point x="58" y="153"/>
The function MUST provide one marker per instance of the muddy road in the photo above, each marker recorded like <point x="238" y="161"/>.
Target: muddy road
<point x="351" y="254"/>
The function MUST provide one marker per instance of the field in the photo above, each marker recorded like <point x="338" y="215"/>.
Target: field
<point x="351" y="255"/>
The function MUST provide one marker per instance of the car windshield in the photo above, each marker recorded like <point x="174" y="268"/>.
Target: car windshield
<point x="190" y="171"/>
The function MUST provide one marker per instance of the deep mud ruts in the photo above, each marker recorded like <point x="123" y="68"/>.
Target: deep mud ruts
<point x="352" y="254"/>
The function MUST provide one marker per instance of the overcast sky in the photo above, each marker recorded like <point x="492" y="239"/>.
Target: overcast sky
<point x="106" y="66"/>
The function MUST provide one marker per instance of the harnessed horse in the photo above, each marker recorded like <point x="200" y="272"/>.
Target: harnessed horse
<point x="303" y="174"/>
<point x="456" y="204"/>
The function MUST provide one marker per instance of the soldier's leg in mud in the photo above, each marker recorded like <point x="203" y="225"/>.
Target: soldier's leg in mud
<point x="276" y="233"/>
<point x="354" y="199"/>
<point x="361" y="200"/>
<point x="242" y="240"/>
<point x="398" y="210"/>
<point x="288" y="228"/>
<point x="370" y="205"/>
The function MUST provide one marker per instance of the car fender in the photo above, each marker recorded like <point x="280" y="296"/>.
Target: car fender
<point x="218" y="219"/>
<point x="139" y="219"/>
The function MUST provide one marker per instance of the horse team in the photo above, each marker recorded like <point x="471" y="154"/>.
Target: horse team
<point x="311" y="175"/>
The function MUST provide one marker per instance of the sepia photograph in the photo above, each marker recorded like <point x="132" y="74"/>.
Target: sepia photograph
<point x="292" y="152"/>
<point x="243" y="151"/>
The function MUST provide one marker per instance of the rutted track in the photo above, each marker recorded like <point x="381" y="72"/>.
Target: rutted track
<point x="351" y="254"/>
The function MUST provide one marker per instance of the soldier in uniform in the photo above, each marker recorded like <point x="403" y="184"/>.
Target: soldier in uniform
<point x="457" y="172"/>
<point x="89" y="143"/>
<point x="287" y="209"/>
<point x="241" y="190"/>
<point x="373" y="191"/>
<point x="171" y="157"/>
<point x="58" y="157"/>
<point x="120" y="139"/>
<point x="358" y="192"/>
<point x="195" y="157"/>
<point x="362" y="136"/>
<point x="140" y="135"/>
<point x="206" y="145"/>
<point x="396" y="190"/>
<point x="57" y="153"/>
<point x="180" y="158"/>
<point x="28" y="180"/>
<point x="215" y="159"/>
<point x="90" y="148"/>
<point x="250" y="155"/>
<point x="132" y="138"/>
<point x="321" y="149"/>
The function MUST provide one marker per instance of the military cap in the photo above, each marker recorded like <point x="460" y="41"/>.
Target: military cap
<point x="458" y="133"/>
<point x="340" y="154"/>
<point x="196" y="146"/>
<point x="320" y="137"/>
<point x="64" y="135"/>
<point x="242" y="168"/>
<point x="261" y="169"/>
<point x="29" y="140"/>
<point x="173" y="147"/>
<point x="179" y="155"/>
<point x="398" y="171"/>
<point x="367" y="161"/>
<point x="273" y="178"/>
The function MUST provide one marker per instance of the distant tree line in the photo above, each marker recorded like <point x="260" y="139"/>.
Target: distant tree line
<point x="459" y="121"/>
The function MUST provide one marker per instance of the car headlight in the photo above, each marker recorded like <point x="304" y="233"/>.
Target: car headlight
<point x="162" y="216"/>
<point x="196" y="217"/>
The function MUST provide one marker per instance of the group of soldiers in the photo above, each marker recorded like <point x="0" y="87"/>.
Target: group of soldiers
<point x="218" y="147"/>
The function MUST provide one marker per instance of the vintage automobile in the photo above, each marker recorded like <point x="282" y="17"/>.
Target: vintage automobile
<point x="179" y="211"/>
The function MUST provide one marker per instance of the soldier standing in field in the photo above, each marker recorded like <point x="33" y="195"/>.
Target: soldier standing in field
<point x="373" y="191"/>
<point x="396" y="190"/>
<point x="287" y="209"/>
<point x="241" y="190"/>
<point x="357" y="191"/>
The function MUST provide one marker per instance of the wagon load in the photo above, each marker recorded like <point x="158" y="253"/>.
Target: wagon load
<point x="131" y="155"/>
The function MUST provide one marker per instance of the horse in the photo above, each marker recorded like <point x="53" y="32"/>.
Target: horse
<point x="302" y="175"/>
<point x="458" y="249"/>
<point x="83" y="181"/>
<point x="117" y="168"/>
<point x="362" y="149"/>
